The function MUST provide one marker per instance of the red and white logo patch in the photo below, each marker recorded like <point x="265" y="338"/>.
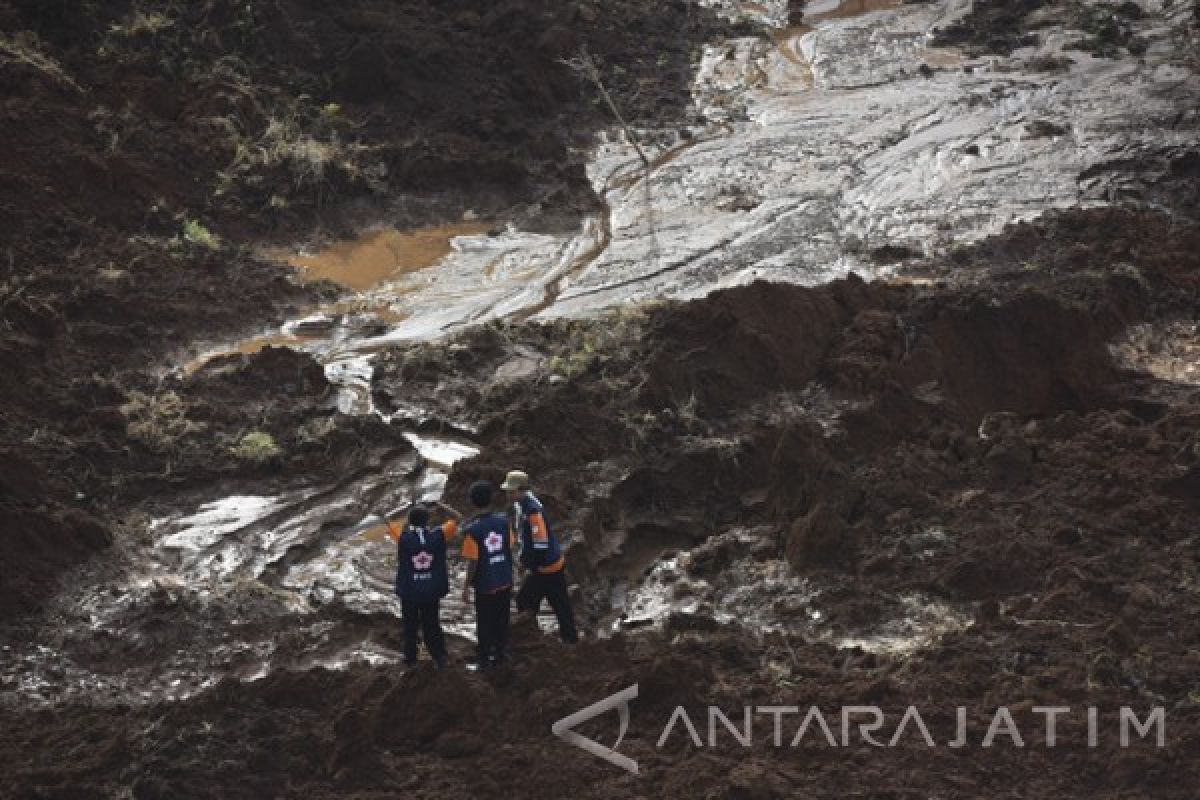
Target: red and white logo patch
<point x="422" y="561"/>
<point x="494" y="542"/>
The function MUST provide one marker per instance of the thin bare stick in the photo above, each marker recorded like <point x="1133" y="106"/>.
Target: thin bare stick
<point x="584" y="65"/>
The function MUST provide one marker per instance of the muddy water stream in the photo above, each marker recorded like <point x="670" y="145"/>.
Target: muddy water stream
<point x="822" y="142"/>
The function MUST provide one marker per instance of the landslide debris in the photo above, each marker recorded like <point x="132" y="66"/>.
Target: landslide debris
<point x="150" y="144"/>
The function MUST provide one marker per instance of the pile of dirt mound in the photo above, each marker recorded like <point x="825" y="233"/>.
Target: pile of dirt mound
<point x="367" y="732"/>
<point x="726" y="351"/>
<point x="1030" y="356"/>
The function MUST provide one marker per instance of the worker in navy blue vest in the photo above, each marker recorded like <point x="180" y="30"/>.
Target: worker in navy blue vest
<point x="541" y="556"/>
<point x="422" y="578"/>
<point x="487" y="547"/>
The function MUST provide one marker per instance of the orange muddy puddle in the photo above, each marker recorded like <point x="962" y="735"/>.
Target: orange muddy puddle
<point x="361" y="264"/>
<point x="251" y="346"/>
<point x="380" y="256"/>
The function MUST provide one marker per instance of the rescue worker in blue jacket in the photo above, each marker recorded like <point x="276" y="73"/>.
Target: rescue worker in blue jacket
<point x="487" y="547"/>
<point x="422" y="578"/>
<point x="541" y="556"/>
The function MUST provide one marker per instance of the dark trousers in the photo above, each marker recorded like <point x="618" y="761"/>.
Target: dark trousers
<point x="553" y="588"/>
<point x="426" y="618"/>
<point x="491" y="625"/>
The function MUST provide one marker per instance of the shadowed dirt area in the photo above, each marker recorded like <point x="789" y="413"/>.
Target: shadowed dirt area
<point x="1001" y="26"/>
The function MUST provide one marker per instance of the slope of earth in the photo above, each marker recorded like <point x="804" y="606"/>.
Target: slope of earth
<point x="147" y="145"/>
<point x="867" y="494"/>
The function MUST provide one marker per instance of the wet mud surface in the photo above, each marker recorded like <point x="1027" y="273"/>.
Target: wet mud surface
<point x="152" y="147"/>
<point x="858" y="493"/>
<point x="971" y="480"/>
<point x="862" y="132"/>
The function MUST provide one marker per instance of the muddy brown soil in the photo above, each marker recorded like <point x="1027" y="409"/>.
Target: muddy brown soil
<point x="973" y="441"/>
<point x="147" y="145"/>
<point x="986" y="432"/>
<point x="368" y="734"/>
<point x="851" y="417"/>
